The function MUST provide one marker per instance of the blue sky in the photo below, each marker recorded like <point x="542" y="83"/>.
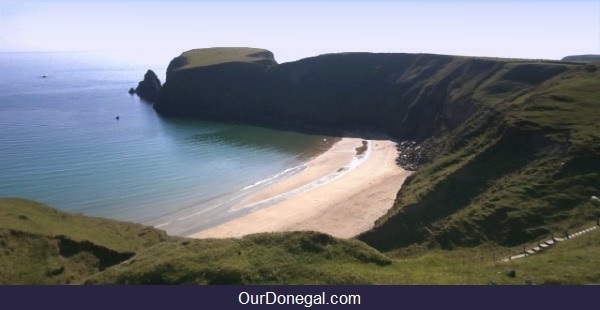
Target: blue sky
<point x="292" y="30"/>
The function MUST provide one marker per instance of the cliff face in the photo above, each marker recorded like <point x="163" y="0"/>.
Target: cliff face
<point x="410" y="96"/>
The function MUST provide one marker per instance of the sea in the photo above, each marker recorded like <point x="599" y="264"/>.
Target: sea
<point x="61" y="144"/>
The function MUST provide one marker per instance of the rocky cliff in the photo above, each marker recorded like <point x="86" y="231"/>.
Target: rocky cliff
<point x="410" y="96"/>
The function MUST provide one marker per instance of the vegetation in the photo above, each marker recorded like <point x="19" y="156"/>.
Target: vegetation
<point x="204" y="57"/>
<point x="212" y="56"/>
<point x="43" y="245"/>
<point x="582" y="58"/>
<point x="517" y="169"/>
<point x="312" y="258"/>
<point x="285" y="261"/>
<point x="276" y="258"/>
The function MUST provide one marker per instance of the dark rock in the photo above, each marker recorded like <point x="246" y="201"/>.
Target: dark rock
<point x="511" y="274"/>
<point x="131" y="91"/>
<point x="55" y="272"/>
<point x="106" y="257"/>
<point x="411" y="156"/>
<point x="148" y="88"/>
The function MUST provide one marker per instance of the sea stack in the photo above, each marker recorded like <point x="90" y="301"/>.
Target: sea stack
<point x="149" y="87"/>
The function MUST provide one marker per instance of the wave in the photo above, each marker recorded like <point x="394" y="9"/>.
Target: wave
<point x="272" y="178"/>
<point x="355" y="163"/>
<point x="243" y="193"/>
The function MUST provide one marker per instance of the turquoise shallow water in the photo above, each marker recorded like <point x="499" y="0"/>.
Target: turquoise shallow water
<point x="60" y="143"/>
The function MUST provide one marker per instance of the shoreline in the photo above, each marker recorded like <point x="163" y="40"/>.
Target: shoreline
<point x="197" y="215"/>
<point x="339" y="193"/>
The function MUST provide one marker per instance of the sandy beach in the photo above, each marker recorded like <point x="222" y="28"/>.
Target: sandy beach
<point x="339" y="193"/>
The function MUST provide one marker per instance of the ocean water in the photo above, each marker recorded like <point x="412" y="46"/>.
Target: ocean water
<point x="61" y="144"/>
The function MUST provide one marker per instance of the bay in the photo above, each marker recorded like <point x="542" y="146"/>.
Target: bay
<point x="61" y="144"/>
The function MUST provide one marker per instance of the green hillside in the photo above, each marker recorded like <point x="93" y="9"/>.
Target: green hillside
<point x="312" y="258"/>
<point x="519" y="168"/>
<point x="280" y="258"/>
<point x="41" y="245"/>
<point x="277" y="258"/>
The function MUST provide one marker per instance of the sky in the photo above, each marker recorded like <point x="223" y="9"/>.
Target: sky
<point x="159" y="30"/>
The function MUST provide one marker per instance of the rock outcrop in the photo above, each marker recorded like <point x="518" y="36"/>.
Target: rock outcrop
<point x="148" y="88"/>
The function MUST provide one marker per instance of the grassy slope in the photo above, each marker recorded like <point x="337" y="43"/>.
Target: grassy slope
<point x="36" y="218"/>
<point x="282" y="258"/>
<point x="277" y="258"/>
<point x="313" y="258"/>
<point x="44" y="245"/>
<point x="524" y="165"/>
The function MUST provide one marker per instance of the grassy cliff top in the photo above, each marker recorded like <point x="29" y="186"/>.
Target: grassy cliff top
<point x="217" y="55"/>
<point x="41" y="245"/>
